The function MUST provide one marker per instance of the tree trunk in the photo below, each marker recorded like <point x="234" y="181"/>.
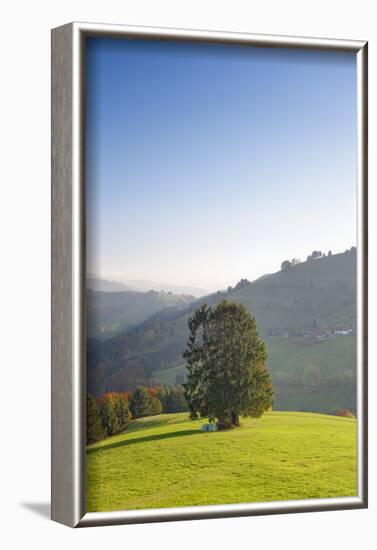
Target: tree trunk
<point x="235" y="419"/>
<point x="224" y="423"/>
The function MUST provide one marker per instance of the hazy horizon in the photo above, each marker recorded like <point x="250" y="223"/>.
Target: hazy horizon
<point x="207" y="164"/>
<point x="123" y="279"/>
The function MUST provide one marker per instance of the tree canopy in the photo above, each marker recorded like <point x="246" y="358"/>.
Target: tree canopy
<point x="226" y="371"/>
<point x="94" y="430"/>
<point x="143" y="404"/>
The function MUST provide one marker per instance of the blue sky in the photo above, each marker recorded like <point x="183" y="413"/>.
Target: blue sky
<point x="208" y="163"/>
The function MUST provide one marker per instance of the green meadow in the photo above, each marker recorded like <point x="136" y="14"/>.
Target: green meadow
<point x="167" y="461"/>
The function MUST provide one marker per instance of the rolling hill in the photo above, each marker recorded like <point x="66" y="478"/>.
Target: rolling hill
<point x="299" y="312"/>
<point x="321" y="291"/>
<point x="166" y="461"/>
<point x="145" y="286"/>
<point x="111" y="313"/>
<point x="98" y="284"/>
<point x="103" y="285"/>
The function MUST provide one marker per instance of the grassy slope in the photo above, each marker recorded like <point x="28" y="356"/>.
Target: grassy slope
<point x="166" y="461"/>
<point x="324" y="400"/>
<point x="332" y="357"/>
<point x="168" y="376"/>
<point x="323" y="289"/>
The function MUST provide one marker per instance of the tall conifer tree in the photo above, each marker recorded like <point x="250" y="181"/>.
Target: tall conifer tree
<point x="226" y="364"/>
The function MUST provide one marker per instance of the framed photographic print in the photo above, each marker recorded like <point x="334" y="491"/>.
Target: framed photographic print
<point x="209" y="277"/>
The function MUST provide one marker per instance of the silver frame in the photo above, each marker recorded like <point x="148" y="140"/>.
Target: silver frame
<point x="68" y="276"/>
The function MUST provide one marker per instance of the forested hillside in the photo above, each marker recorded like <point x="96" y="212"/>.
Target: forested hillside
<point x="112" y="313"/>
<point x="306" y="313"/>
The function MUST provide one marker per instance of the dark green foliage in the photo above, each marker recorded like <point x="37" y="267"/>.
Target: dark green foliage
<point x="155" y="406"/>
<point x="139" y="402"/>
<point x="173" y="399"/>
<point x="225" y="361"/>
<point x="94" y="430"/>
<point x="143" y="404"/>
<point x="122" y="412"/>
<point x="109" y="418"/>
<point x="106" y="418"/>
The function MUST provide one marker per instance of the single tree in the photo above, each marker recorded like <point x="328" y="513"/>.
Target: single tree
<point x="94" y="430"/>
<point x="315" y="255"/>
<point x="225" y="360"/>
<point x="143" y="404"/>
<point x="109" y="418"/>
<point x="122" y="412"/>
<point x="154" y="406"/>
<point x="285" y="265"/>
<point x="139" y="402"/>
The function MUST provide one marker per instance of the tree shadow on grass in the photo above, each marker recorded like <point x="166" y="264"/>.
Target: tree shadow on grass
<point x="145" y="439"/>
<point x="136" y="426"/>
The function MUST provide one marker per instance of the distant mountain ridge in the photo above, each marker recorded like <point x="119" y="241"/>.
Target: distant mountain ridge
<point x="99" y="284"/>
<point x="145" y="286"/>
<point x="103" y="285"/>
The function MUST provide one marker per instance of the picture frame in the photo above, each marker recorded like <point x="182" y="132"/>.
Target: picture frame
<point x="68" y="275"/>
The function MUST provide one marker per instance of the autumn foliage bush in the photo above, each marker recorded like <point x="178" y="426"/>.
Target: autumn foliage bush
<point x="111" y="412"/>
<point x="346" y="413"/>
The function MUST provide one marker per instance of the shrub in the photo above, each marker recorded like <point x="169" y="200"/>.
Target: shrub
<point x="143" y="404"/>
<point x="346" y="413"/>
<point x="109" y="418"/>
<point x="173" y="399"/>
<point x="122" y="412"/>
<point x="94" y="430"/>
<point x="155" y="406"/>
